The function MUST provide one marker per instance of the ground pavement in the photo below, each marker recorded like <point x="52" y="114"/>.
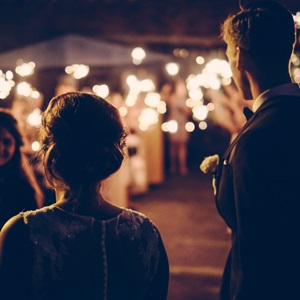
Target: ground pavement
<point x="194" y="235"/>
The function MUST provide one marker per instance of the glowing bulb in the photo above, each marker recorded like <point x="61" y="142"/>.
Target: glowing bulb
<point x="172" y="68"/>
<point x="101" y="90"/>
<point x="35" y="146"/>
<point x="152" y="99"/>
<point x="203" y="125"/>
<point x="189" y="126"/>
<point x="200" y="60"/>
<point x="25" y="69"/>
<point x="200" y="112"/>
<point x="138" y="53"/>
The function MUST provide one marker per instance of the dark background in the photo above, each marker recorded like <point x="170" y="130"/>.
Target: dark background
<point x="161" y="25"/>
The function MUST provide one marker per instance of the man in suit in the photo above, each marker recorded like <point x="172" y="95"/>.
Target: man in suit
<point x="258" y="178"/>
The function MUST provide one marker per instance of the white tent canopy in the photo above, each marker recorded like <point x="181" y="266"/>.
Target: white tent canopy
<point x="74" y="49"/>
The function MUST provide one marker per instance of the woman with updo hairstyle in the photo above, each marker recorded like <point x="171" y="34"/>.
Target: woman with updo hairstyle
<point x="19" y="189"/>
<point x="82" y="141"/>
<point x="82" y="246"/>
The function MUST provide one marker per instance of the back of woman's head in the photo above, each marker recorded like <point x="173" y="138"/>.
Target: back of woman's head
<point x="82" y="139"/>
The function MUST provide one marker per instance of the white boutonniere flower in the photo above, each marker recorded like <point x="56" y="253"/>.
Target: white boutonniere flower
<point x="209" y="165"/>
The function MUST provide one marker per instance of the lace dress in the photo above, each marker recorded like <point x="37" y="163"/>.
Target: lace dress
<point x="54" y="254"/>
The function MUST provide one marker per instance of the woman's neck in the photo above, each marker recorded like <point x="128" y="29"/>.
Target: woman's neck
<point x="88" y="203"/>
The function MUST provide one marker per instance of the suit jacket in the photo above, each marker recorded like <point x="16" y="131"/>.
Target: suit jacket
<point x="258" y="184"/>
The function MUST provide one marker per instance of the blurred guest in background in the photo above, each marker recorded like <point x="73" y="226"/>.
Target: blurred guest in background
<point x="177" y="113"/>
<point x="229" y="108"/>
<point x="258" y="177"/>
<point x="137" y="164"/>
<point x="19" y="190"/>
<point x="115" y="187"/>
<point x="82" y="247"/>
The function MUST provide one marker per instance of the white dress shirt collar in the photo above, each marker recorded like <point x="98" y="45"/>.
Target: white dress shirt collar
<point x="289" y="89"/>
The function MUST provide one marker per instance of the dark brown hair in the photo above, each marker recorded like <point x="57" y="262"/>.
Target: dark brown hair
<point x="264" y="28"/>
<point x="19" y="165"/>
<point x="82" y="140"/>
<point x="8" y="122"/>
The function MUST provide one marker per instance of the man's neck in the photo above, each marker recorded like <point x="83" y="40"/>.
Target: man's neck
<point x="259" y="86"/>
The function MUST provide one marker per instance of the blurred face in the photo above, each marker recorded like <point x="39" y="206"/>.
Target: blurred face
<point x="7" y="147"/>
<point x="238" y="73"/>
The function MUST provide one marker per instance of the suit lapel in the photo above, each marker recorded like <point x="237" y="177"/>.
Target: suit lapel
<point x="224" y="197"/>
<point x="234" y="142"/>
<point x="264" y="106"/>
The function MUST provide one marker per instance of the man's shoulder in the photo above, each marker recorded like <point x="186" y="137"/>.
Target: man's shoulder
<point x="280" y="106"/>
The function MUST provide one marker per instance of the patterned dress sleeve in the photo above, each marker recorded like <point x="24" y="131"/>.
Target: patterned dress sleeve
<point x="145" y="253"/>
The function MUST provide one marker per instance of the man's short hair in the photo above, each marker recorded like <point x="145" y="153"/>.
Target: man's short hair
<point x="264" y="28"/>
